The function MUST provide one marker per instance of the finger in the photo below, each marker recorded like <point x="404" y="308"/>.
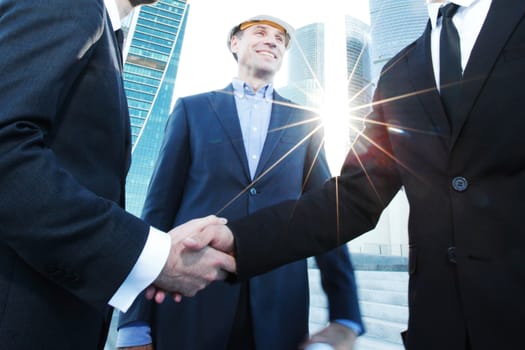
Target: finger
<point x="195" y="226"/>
<point x="150" y="292"/>
<point x="218" y="236"/>
<point x="194" y="244"/>
<point x="222" y="239"/>
<point x="160" y="296"/>
<point x="177" y="297"/>
<point x="228" y="263"/>
<point x="202" y="238"/>
<point x="201" y="223"/>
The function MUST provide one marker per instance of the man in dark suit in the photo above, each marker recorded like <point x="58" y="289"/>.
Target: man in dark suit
<point x="232" y="152"/>
<point x="463" y="173"/>
<point x="67" y="248"/>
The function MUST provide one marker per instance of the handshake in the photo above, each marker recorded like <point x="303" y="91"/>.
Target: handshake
<point x="201" y="252"/>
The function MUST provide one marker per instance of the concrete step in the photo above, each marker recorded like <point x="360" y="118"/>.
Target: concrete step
<point x="383" y="296"/>
<point x="382" y="280"/>
<point x="385" y="312"/>
<point x="372" y="286"/>
<point x="384" y="330"/>
<point x="369" y="343"/>
<point x="382" y="275"/>
<point x="318" y="315"/>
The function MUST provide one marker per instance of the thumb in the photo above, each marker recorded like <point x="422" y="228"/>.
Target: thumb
<point x="228" y="263"/>
<point x="201" y="223"/>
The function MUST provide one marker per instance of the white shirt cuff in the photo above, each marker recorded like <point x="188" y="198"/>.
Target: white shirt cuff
<point x="146" y="269"/>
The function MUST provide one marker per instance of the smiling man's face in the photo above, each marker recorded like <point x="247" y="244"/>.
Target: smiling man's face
<point x="260" y="49"/>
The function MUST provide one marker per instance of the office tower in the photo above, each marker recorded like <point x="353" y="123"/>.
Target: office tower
<point x="329" y="71"/>
<point x="152" y="54"/>
<point x="394" y="24"/>
<point x="306" y="76"/>
<point x="313" y="69"/>
<point x="358" y="67"/>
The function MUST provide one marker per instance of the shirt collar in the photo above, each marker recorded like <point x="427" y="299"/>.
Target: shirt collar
<point x="433" y="8"/>
<point x="241" y="88"/>
<point x="114" y="16"/>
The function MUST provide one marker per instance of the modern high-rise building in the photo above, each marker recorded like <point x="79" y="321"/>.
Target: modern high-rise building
<point x="394" y="24"/>
<point x="326" y="58"/>
<point x="358" y="66"/>
<point x="152" y="53"/>
<point x="306" y="76"/>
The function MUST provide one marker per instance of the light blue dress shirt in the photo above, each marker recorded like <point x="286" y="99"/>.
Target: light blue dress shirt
<point x="254" y="109"/>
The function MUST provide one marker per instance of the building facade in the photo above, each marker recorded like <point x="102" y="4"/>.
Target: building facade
<point x="329" y="71"/>
<point x="306" y="77"/>
<point x="394" y="24"/>
<point x="359" y="81"/>
<point x="152" y="52"/>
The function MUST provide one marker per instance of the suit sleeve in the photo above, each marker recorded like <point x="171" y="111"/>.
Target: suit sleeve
<point x="164" y="194"/>
<point x="171" y="170"/>
<point x="62" y="230"/>
<point x="337" y="272"/>
<point x="322" y="219"/>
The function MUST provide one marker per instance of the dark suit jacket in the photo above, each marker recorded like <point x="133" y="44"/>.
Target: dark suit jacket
<point x="466" y="190"/>
<point x="202" y="169"/>
<point x="65" y="243"/>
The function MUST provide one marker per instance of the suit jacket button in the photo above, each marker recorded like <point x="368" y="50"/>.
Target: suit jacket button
<point x="451" y="252"/>
<point x="253" y="191"/>
<point x="459" y="184"/>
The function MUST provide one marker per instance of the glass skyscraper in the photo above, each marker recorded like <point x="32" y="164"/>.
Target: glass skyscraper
<point x="306" y="76"/>
<point x="310" y="66"/>
<point x="152" y="55"/>
<point x="394" y="24"/>
<point x="358" y="66"/>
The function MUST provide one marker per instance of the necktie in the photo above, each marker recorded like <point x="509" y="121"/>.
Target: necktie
<point x="449" y="60"/>
<point x="120" y="38"/>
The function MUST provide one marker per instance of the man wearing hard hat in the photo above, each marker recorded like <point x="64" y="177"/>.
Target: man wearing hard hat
<point x="231" y="152"/>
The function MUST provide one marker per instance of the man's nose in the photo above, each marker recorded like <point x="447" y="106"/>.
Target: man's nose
<point x="270" y="42"/>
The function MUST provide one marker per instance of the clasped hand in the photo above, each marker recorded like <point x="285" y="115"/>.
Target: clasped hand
<point x="201" y="252"/>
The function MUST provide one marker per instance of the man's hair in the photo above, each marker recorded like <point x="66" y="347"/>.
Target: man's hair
<point x="136" y="3"/>
<point x="238" y="35"/>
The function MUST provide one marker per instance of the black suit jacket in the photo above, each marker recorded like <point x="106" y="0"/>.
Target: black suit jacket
<point x="465" y="189"/>
<point x="65" y="243"/>
<point x="203" y="169"/>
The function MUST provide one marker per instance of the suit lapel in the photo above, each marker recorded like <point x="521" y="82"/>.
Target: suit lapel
<point x="502" y="19"/>
<point x="223" y="104"/>
<point x="278" y="120"/>
<point x="422" y="78"/>
<point x="114" y="39"/>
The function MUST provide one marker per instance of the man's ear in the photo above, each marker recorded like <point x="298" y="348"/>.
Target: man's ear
<point x="234" y="43"/>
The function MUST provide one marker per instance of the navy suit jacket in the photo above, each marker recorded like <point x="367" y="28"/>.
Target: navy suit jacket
<point x="465" y="186"/>
<point x="65" y="243"/>
<point x="202" y="169"/>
